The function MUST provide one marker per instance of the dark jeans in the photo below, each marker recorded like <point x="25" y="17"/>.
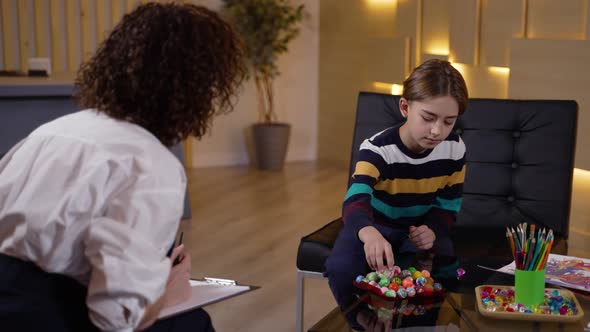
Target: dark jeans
<point x="347" y="259"/>
<point x="34" y="300"/>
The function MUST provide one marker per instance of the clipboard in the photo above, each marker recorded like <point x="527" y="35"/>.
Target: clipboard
<point x="206" y="291"/>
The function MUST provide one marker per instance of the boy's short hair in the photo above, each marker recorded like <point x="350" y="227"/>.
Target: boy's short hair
<point x="435" y="78"/>
<point x="168" y="68"/>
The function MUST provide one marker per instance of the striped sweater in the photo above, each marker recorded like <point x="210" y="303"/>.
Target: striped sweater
<point x="394" y="186"/>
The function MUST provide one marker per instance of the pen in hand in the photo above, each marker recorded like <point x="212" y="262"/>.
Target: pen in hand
<point x="180" y="257"/>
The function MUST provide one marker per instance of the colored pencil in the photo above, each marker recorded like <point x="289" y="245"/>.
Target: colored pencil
<point x="530" y="246"/>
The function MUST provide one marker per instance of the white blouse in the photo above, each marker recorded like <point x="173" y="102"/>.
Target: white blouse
<point x="99" y="200"/>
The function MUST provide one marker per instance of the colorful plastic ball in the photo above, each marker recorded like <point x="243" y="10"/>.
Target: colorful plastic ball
<point x="372" y="276"/>
<point x="420" y="281"/>
<point x="384" y="290"/>
<point x="411" y="291"/>
<point x="416" y="275"/>
<point x="425" y="273"/>
<point x="406" y="273"/>
<point x="384" y="282"/>
<point x="391" y="293"/>
<point x="359" y="279"/>
<point x="393" y="286"/>
<point x="437" y="286"/>
<point x="402" y="293"/>
<point x="396" y="270"/>
<point x="397" y="280"/>
<point x="428" y="290"/>
<point x="408" y="282"/>
<point x="412" y="269"/>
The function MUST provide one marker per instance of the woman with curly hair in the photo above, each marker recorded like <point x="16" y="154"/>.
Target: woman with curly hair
<point x="90" y="202"/>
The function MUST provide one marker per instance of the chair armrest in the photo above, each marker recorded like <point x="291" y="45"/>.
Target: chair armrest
<point x="315" y="247"/>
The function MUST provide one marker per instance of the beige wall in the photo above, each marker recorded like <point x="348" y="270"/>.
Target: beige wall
<point x="296" y="96"/>
<point x="530" y="49"/>
<point x="354" y="35"/>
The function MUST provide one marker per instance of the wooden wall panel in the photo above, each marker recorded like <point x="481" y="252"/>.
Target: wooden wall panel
<point x="8" y="42"/>
<point x="464" y="27"/>
<point x="23" y="35"/>
<point x="408" y="23"/>
<point x="346" y="29"/>
<point x="435" y="27"/>
<point x="501" y="20"/>
<point x="41" y="32"/>
<point x="116" y="12"/>
<point x="86" y="20"/>
<point x="102" y="20"/>
<point x="57" y="36"/>
<point x="130" y="5"/>
<point x="58" y="29"/>
<point x="554" y="69"/>
<point x="72" y="36"/>
<point x="385" y="59"/>
<point x="553" y="19"/>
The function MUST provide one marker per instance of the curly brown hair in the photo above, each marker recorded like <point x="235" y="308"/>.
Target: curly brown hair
<point x="168" y="68"/>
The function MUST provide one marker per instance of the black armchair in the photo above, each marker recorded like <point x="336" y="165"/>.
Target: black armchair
<point x="520" y="159"/>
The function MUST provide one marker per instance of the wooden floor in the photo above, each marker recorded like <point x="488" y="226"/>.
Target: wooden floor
<point x="246" y="225"/>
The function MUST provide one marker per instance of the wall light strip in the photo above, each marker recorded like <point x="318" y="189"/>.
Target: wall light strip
<point x="395" y="89"/>
<point x="500" y="70"/>
<point x="582" y="174"/>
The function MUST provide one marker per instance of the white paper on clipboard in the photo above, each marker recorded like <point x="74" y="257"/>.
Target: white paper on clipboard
<point x="205" y="292"/>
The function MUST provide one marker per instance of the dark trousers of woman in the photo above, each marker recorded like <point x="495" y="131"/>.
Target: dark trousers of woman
<point x="347" y="259"/>
<point x="34" y="300"/>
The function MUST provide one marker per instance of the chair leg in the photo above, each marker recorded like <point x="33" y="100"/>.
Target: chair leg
<point x="300" y="296"/>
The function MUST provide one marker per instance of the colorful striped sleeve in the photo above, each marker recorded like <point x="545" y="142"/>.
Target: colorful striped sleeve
<point x="356" y="210"/>
<point x="443" y="215"/>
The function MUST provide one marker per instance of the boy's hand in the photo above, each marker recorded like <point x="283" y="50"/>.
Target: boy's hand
<point x="422" y="237"/>
<point x="376" y="248"/>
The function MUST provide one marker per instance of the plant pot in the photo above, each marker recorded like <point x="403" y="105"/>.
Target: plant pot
<point x="270" y="145"/>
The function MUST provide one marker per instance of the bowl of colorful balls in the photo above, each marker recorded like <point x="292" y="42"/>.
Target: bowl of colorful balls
<point x="396" y="284"/>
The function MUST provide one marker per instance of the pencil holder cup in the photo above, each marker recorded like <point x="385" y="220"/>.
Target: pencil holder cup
<point x="529" y="287"/>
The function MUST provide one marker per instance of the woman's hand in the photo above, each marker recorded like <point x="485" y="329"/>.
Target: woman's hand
<point x="376" y="248"/>
<point x="178" y="288"/>
<point x="422" y="237"/>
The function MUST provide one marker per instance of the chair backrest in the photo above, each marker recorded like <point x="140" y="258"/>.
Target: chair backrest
<point x="520" y="157"/>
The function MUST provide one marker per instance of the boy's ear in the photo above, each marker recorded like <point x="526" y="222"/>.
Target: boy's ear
<point x="403" y="106"/>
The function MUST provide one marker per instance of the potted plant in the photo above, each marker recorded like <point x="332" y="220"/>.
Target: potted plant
<point x="266" y="27"/>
